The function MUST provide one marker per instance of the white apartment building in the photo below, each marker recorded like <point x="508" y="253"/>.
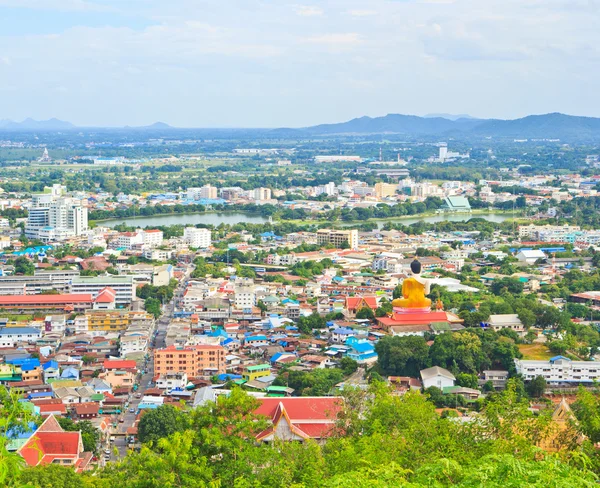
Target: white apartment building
<point x="124" y="287"/>
<point x="551" y="232"/>
<point x="152" y="237"/>
<point x="197" y="238"/>
<point x="244" y="297"/>
<point x="559" y="370"/>
<point x="129" y="240"/>
<point x="285" y="260"/>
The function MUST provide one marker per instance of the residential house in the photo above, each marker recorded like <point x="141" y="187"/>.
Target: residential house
<point x="438" y="377"/>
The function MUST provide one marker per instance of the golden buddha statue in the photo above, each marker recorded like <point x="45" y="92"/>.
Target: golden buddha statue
<point x="414" y="290"/>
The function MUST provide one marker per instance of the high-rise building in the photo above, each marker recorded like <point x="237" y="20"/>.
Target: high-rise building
<point x="261" y="194"/>
<point x="55" y="217"/>
<point x="198" y="238"/>
<point x="209" y="192"/>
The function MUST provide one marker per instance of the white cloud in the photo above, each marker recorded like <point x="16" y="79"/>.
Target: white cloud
<point x="362" y="13"/>
<point x="336" y="40"/>
<point x="308" y="11"/>
<point x="57" y="5"/>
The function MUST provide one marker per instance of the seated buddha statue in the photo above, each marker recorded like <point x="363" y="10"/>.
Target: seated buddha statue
<point x="414" y="290"/>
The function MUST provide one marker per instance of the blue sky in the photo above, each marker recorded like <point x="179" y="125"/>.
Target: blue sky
<point x="274" y="63"/>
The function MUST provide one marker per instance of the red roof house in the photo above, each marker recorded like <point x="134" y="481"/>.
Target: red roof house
<point x="50" y="444"/>
<point x="119" y="364"/>
<point x="354" y="304"/>
<point x="299" y="418"/>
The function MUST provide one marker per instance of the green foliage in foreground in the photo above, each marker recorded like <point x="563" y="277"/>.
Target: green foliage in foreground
<point x="382" y="440"/>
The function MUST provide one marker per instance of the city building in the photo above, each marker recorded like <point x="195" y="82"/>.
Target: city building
<point x="261" y="194"/>
<point x="153" y="238"/>
<point x="339" y="238"/>
<point x="124" y="287"/>
<point x="74" y="302"/>
<point x="383" y="190"/>
<point x="197" y="238"/>
<point x="55" y="217"/>
<point x="195" y="361"/>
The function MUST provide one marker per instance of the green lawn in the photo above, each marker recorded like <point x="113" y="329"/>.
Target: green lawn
<point x="535" y="352"/>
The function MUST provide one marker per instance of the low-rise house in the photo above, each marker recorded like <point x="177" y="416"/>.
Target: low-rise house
<point x="497" y="377"/>
<point x="50" y="444"/>
<point x="172" y="381"/>
<point x="299" y="418"/>
<point x="507" y="321"/>
<point x="86" y="411"/>
<point x="51" y="371"/>
<point x="438" y="377"/>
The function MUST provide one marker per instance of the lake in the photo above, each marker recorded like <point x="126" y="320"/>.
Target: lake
<point x="216" y="218"/>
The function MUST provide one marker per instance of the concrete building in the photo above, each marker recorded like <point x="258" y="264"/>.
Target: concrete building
<point x="559" y="369"/>
<point x="152" y="238"/>
<point x="383" y="190"/>
<point x="197" y="238"/>
<point x="261" y="194"/>
<point x="338" y="237"/>
<point x="55" y="217"/>
<point x="124" y="287"/>
<point x="195" y="361"/>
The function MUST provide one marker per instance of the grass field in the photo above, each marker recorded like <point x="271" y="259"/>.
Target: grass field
<point x="535" y="351"/>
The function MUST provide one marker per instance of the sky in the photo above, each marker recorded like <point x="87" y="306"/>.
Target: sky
<point x="280" y="63"/>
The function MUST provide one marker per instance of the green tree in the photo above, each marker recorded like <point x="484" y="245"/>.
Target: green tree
<point x="348" y="366"/>
<point x="51" y="476"/>
<point x="24" y="266"/>
<point x="365" y="313"/>
<point x="160" y="423"/>
<point x="402" y="356"/>
<point x="536" y="387"/>
<point x="467" y="380"/>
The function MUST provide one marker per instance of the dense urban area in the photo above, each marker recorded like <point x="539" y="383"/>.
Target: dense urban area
<point x="325" y="308"/>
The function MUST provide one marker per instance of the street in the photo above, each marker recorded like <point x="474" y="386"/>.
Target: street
<point x="145" y="379"/>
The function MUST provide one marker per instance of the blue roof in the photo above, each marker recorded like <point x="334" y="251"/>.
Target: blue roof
<point x="40" y="394"/>
<point x="27" y="364"/>
<point x="276" y="356"/>
<point x="556" y="358"/>
<point x="362" y="347"/>
<point x="50" y="364"/>
<point x="257" y="338"/>
<point x="343" y="331"/>
<point x="18" y="330"/>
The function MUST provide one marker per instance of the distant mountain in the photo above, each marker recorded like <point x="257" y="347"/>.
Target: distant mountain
<point x="448" y="116"/>
<point x="394" y="124"/>
<point x="30" y="124"/>
<point x="158" y="125"/>
<point x="550" y="126"/>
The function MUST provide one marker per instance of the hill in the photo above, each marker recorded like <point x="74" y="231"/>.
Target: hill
<point x="31" y="124"/>
<point x="550" y="126"/>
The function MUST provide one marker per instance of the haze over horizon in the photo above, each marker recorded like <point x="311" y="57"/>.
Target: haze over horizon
<point x="251" y="63"/>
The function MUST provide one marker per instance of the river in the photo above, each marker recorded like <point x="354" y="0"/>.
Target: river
<point x="216" y="218"/>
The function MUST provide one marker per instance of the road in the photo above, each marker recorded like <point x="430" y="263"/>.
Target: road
<point x="145" y="380"/>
